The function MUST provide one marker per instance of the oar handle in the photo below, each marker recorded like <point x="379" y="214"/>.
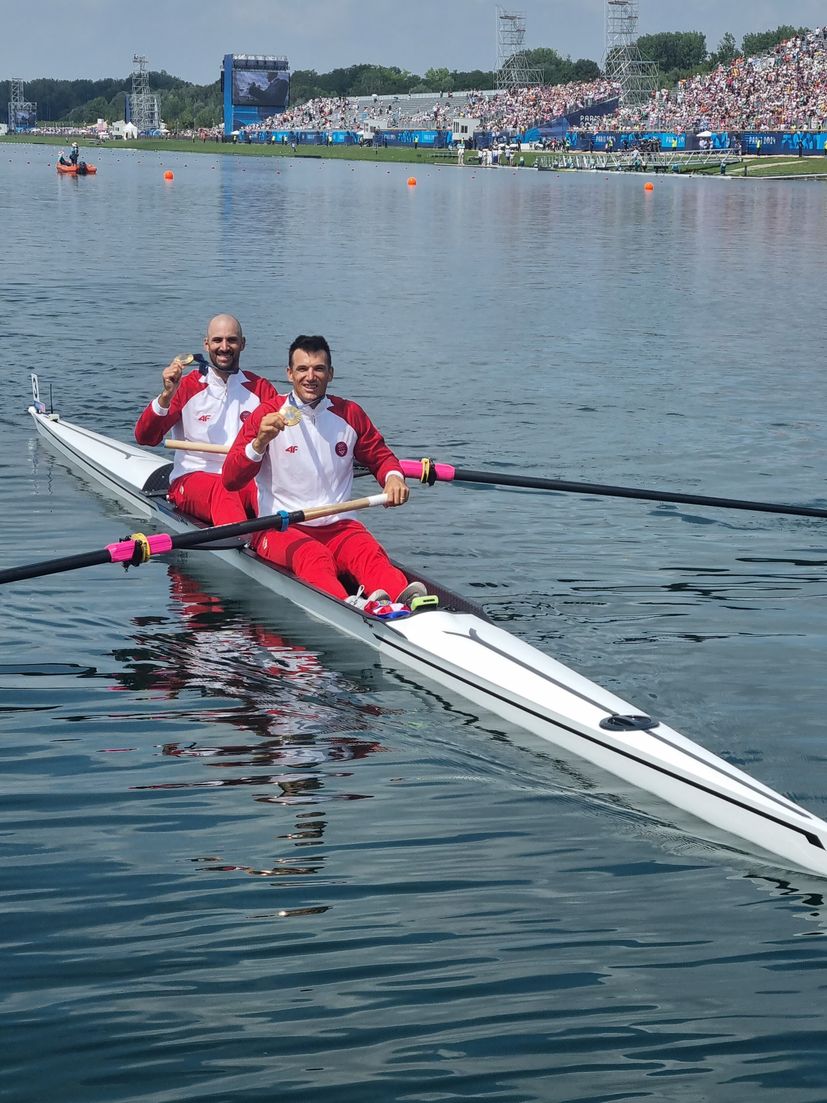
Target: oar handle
<point x="196" y="446"/>
<point x="315" y="512"/>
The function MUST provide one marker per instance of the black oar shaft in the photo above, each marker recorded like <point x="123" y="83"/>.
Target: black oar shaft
<point x="54" y="566"/>
<point x="177" y="540"/>
<point x="122" y="552"/>
<point x="604" y="490"/>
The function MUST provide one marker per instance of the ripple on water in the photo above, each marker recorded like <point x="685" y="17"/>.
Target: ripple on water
<point x="236" y="851"/>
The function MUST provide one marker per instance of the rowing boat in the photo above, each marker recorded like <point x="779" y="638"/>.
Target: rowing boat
<point x="458" y="647"/>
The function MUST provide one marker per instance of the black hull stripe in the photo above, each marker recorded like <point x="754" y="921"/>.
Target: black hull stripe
<point x="475" y="637"/>
<point x="811" y="837"/>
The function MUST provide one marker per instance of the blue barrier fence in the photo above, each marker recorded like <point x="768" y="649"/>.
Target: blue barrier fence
<point x="427" y="139"/>
<point x="763" y="143"/>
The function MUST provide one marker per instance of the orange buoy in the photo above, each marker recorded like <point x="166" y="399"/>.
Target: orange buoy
<point x="411" y="181"/>
<point x="648" y="186"/>
<point x="168" y="175"/>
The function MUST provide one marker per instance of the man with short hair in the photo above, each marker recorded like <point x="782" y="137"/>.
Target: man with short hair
<point x="207" y="405"/>
<point x="300" y="449"/>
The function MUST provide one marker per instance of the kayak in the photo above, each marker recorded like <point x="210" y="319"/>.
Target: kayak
<point x="77" y="170"/>
<point x="458" y="647"/>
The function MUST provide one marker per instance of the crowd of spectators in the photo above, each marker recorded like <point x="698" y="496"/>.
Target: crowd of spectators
<point x="510" y="111"/>
<point x="521" y="108"/>
<point x="783" y="90"/>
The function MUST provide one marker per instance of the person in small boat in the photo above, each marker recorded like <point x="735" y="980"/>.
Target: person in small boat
<point x="207" y="405"/>
<point x="63" y="159"/>
<point x="74" y="153"/>
<point x="300" y="450"/>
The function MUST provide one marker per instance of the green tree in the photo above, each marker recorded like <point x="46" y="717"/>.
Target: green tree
<point x="727" y="50"/>
<point x="381" y="81"/>
<point x="764" y="41"/>
<point x="674" y="50"/>
<point x="206" y="118"/>
<point x="439" y="80"/>
<point x="472" y="79"/>
<point x="585" y="69"/>
<point x="556" y="69"/>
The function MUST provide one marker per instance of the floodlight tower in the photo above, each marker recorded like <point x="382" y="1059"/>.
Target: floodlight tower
<point x="144" y="106"/>
<point x="22" y="112"/>
<point x="513" y="70"/>
<point x="624" y="63"/>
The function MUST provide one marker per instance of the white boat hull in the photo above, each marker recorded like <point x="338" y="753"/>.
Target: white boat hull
<point x="457" y="647"/>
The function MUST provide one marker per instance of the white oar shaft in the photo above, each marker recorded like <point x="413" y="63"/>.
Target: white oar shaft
<point x="313" y="512"/>
<point x="196" y="446"/>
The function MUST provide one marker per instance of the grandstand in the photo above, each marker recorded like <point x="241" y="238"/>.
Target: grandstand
<point x="784" y="90"/>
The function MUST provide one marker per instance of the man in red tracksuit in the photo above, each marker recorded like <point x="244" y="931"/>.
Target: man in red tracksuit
<point x="306" y="459"/>
<point x="208" y="405"/>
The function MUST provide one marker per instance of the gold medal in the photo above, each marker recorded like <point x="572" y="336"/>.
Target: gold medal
<point x="185" y="358"/>
<point x="291" y="415"/>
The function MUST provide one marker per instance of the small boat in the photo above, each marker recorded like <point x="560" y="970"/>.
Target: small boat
<point x="456" y="646"/>
<point x="82" y="168"/>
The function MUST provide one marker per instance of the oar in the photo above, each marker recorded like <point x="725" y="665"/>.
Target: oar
<point x="196" y="446"/>
<point x="429" y="472"/>
<point x="138" y="548"/>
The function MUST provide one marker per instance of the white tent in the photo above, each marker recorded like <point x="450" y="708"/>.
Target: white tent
<point x="124" y="130"/>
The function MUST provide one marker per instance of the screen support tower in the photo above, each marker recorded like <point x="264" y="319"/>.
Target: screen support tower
<point x="513" y="70"/>
<point x="22" y="112"/>
<point x="624" y="63"/>
<point x="143" y="106"/>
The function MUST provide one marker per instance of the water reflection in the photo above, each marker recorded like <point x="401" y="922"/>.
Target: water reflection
<point x="228" y="670"/>
<point x="269" y="685"/>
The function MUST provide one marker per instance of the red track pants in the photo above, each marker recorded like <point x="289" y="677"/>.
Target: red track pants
<point x="204" y="496"/>
<point x="319" y="553"/>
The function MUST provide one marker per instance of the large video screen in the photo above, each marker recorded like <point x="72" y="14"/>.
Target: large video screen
<point x="24" y="118"/>
<point x="261" y="87"/>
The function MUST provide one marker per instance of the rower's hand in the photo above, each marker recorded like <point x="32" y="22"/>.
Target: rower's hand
<point x="170" y="377"/>
<point x="269" y="428"/>
<point x="396" y="490"/>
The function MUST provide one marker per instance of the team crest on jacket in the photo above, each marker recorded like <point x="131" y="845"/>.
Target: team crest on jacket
<point x="242" y="417"/>
<point x="341" y="448"/>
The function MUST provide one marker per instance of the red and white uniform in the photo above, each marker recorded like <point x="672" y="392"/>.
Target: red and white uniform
<point x="207" y="410"/>
<point x="311" y="464"/>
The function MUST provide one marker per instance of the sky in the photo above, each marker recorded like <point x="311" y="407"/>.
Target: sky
<point x="71" y="39"/>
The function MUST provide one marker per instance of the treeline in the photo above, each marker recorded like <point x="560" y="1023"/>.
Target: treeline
<point x="365" y="80"/>
<point x="678" y="54"/>
<point x="83" y="102"/>
<point x="681" y="54"/>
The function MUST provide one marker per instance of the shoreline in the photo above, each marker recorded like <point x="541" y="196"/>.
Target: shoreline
<point x="791" y="167"/>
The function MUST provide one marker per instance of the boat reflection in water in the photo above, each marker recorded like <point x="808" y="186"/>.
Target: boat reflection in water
<point x="297" y="716"/>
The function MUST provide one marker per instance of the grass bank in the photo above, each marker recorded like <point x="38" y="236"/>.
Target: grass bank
<point x="404" y="154"/>
<point x="756" y="167"/>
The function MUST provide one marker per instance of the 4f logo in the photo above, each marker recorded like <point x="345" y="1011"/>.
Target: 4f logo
<point x="204" y="417"/>
<point x="292" y="448"/>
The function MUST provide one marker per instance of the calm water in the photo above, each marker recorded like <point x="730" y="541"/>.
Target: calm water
<point x="243" y="861"/>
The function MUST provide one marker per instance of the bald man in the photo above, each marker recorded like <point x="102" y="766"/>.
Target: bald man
<point x="208" y="405"/>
